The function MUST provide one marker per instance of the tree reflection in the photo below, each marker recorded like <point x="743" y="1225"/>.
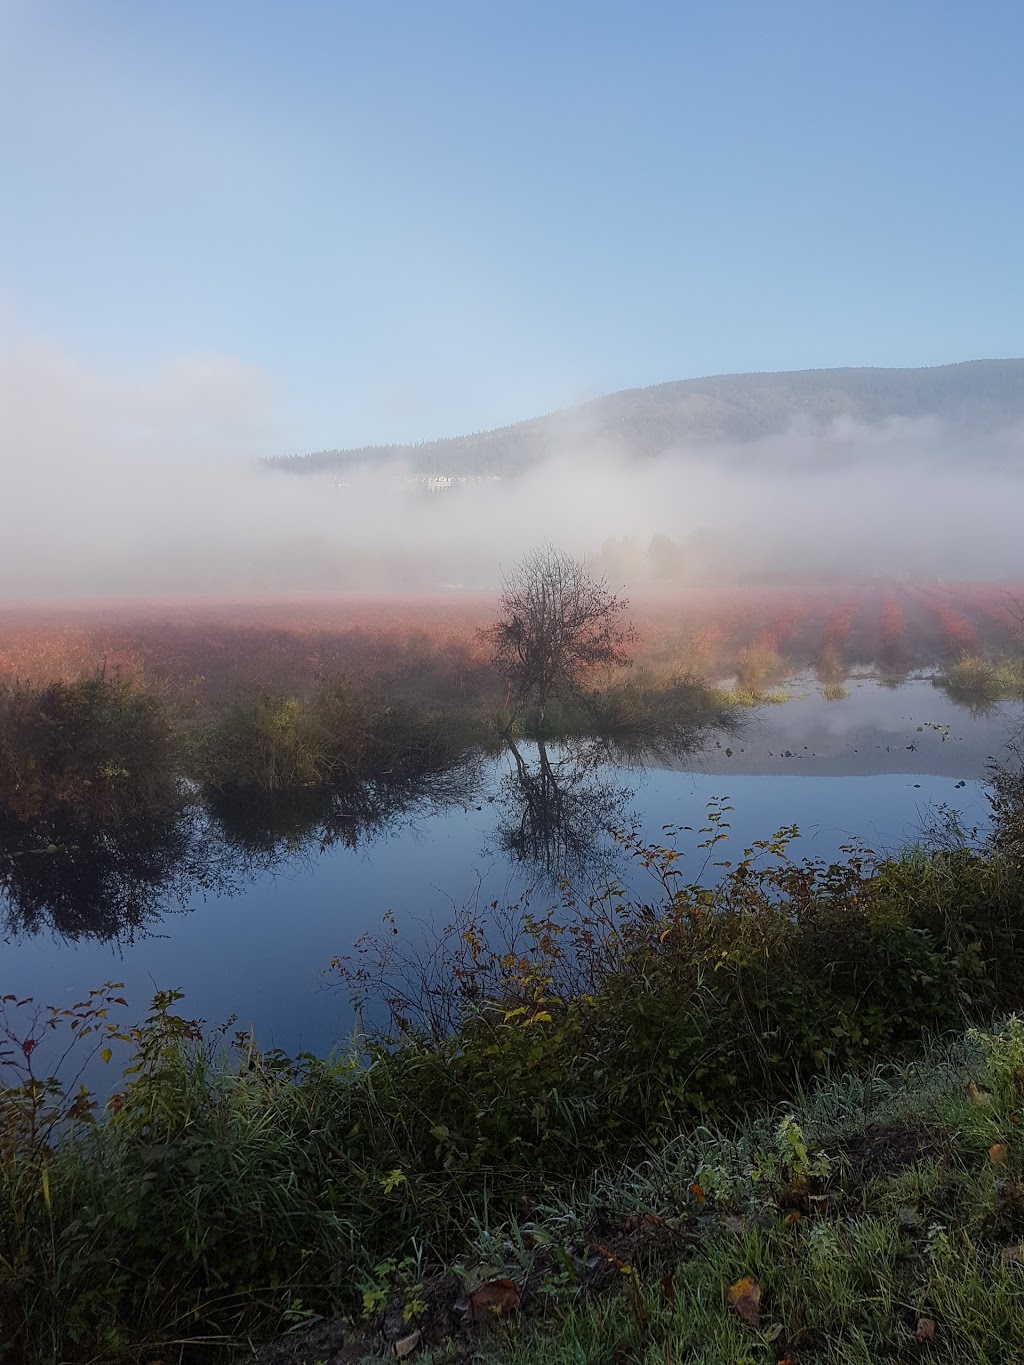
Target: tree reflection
<point x="559" y="808"/>
<point x="114" y="881"/>
<point x="562" y="804"/>
<point x="107" y="883"/>
<point x="264" y="830"/>
<point x="267" y="829"/>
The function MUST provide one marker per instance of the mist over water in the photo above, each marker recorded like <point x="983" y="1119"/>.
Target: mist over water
<point x="130" y="486"/>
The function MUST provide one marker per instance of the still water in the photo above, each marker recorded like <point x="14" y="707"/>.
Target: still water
<point x="246" y="921"/>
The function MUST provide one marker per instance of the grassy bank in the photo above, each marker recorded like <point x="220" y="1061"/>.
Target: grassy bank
<point x="224" y="1194"/>
<point x="876" y="1218"/>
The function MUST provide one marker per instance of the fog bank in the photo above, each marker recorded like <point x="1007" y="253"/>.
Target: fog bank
<point x="129" y="486"/>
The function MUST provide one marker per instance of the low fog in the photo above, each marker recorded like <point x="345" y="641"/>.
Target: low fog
<point x="144" y="486"/>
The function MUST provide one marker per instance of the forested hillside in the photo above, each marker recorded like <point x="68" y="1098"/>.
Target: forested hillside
<point x="972" y="397"/>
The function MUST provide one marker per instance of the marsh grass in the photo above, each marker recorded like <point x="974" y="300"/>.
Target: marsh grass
<point x="776" y="696"/>
<point x="978" y="684"/>
<point x="829" y="665"/>
<point x="1010" y="674"/>
<point x="972" y="682"/>
<point x="267" y="743"/>
<point x="634" y="708"/>
<point x="758" y="667"/>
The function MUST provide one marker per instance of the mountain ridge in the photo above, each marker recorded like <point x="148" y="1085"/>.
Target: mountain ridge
<point x="972" y="396"/>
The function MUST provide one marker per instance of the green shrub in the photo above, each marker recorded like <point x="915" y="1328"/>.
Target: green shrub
<point x="614" y="1028"/>
<point x="266" y="743"/>
<point x="95" y="749"/>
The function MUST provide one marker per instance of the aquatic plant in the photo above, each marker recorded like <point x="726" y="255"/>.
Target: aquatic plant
<point x="834" y="691"/>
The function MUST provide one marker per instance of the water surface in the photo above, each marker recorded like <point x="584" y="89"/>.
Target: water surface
<point x="246" y="919"/>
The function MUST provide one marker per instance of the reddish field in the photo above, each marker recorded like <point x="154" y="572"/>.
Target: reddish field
<point x="205" y="649"/>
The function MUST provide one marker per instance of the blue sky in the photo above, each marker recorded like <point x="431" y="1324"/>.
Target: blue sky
<point x="421" y="217"/>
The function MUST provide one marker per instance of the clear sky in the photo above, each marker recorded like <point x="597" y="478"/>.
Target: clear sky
<point x="422" y="217"/>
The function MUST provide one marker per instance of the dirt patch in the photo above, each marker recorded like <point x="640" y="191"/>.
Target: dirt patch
<point x="327" y="1343"/>
<point x="882" y="1149"/>
<point x="640" y="1242"/>
<point x="449" y="1312"/>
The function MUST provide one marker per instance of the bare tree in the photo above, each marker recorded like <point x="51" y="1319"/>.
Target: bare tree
<point x="555" y="625"/>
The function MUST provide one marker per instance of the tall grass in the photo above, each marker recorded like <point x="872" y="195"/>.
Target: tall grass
<point x="758" y="667"/>
<point x="973" y="682"/>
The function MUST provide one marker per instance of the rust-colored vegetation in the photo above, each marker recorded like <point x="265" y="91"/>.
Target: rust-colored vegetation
<point x="203" y="652"/>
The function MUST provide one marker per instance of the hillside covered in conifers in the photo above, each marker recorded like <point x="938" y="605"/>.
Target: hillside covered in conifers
<point x="973" y="397"/>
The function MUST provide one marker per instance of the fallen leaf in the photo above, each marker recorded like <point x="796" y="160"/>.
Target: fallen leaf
<point x="774" y="1332"/>
<point x="976" y="1095"/>
<point x="745" y="1297"/>
<point x="491" y="1300"/>
<point x="698" y="1194"/>
<point x="925" y="1329"/>
<point x="1012" y="1255"/>
<point x="793" y="1216"/>
<point x="998" y="1153"/>
<point x="407" y="1345"/>
<point x="606" y="1254"/>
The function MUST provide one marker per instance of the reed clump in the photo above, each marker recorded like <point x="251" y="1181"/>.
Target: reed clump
<point x="758" y="668"/>
<point x="978" y="684"/>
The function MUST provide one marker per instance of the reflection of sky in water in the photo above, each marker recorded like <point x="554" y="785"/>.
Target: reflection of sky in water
<point x="261" y="953"/>
<point x="873" y="730"/>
